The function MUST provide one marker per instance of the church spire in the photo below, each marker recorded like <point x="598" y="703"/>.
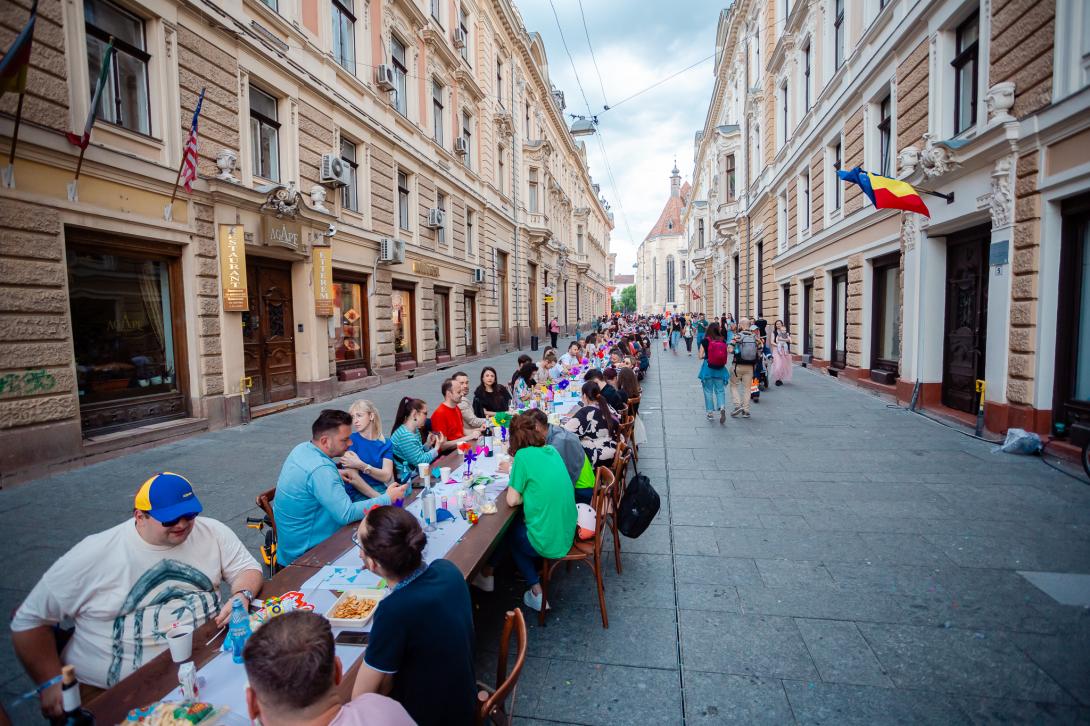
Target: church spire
<point x="675" y="181"/>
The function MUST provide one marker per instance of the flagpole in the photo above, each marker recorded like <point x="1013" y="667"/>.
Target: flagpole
<point x="168" y="210"/>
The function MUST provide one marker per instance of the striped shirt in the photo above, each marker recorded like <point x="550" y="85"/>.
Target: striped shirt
<point x="409" y="453"/>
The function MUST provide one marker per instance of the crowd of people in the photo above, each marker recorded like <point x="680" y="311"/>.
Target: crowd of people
<point x="105" y="606"/>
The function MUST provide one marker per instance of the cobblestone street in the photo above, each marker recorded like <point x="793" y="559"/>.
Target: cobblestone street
<point x="831" y="560"/>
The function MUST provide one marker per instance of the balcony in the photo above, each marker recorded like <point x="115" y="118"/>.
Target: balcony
<point x="726" y="217"/>
<point x="537" y="228"/>
<point x="581" y="261"/>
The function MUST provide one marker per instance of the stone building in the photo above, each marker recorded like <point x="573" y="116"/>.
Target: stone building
<point x="983" y="100"/>
<point x="384" y="187"/>
<point x="661" y="259"/>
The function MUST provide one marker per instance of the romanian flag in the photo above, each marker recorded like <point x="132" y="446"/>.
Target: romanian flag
<point x="886" y="193"/>
<point x="16" y="61"/>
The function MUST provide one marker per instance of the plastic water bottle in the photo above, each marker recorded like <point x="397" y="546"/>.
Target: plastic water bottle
<point x="427" y="508"/>
<point x="488" y="440"/>
<point x="238" y="629"/>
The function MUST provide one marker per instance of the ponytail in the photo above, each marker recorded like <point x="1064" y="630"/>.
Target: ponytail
<point x="594" y="393"/>
<point x="407" y="405"/>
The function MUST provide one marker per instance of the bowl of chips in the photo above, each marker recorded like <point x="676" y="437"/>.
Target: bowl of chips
<point x="355" y="608"/>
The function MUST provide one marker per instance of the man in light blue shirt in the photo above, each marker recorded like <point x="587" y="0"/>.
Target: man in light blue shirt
<point x="311" y="503"/>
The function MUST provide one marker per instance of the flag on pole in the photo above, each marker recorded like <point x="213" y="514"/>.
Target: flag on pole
<point x="886" y="193"/>
<point x="92" y="113"/>
<point x="16" y="61"/>
<point x="189" y="156"/>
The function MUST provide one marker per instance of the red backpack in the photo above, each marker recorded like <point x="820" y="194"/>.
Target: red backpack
<point x="717" y="353"/>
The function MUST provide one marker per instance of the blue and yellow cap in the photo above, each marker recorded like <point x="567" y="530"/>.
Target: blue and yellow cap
<point x="166" y="497"/>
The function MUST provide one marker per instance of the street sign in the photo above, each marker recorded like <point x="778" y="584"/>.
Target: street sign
<point x="549" y="299"/>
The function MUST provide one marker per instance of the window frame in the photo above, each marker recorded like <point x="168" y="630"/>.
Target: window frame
<point x="401" y="75"/>
<point x="404" y="201"/>
<point x="885" y="135"/>
<point x="341" y="277"/>
<point x="967" y="56"/>
<point x="839" y="33"/>
<point x="732" y="177"/>
<point x="353" y="165"/>
<point x="441" y="238"/>
<point x="470" y="231"/>
<point x="438" y="111"/>
<point x="836" y="165"/>
<point x="255" y="141"/>
<point x="113" y="76"/>
<point x="880" y="266"/>
<point x="807" y="76"/>
<point x="467" y="136"/>
<point x="463" y="25"/>
<point x="341" y="8"/>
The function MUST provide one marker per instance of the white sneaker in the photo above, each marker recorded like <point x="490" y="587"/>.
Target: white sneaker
<point x="532" y="601"/>
<point x="487" y="583"/>
<point x="710" y="415"/>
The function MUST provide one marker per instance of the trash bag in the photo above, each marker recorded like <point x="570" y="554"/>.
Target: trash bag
<point x="639" y="432"/>
<point x="1020" y="441"/>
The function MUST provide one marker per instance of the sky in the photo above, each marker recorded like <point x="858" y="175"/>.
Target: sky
<point x="636" y="44"/>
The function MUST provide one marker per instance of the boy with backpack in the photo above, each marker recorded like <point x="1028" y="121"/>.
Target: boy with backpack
<point x="747" y="352"/>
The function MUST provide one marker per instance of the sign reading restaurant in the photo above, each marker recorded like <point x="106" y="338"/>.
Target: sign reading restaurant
<point x="233" y="268"/>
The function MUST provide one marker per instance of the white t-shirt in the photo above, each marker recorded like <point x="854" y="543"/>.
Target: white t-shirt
<point x="124" y="594"/>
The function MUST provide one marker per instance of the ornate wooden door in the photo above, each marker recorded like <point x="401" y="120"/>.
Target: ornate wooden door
<point x="964" y="335"/>
<point x="268" y="341"/>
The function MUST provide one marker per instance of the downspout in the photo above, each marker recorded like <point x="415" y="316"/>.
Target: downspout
<point x="516" y="162"/>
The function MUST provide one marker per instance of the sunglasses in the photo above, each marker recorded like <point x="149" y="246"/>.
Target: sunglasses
<point x="174" y="522"/>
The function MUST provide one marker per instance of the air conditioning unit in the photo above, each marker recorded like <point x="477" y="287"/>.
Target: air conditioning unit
<point x="460" y="39"/>
<point x="391" y="251"/>
<point x="461" y="147"/>
<point x="384" y="77"/>
<point x="335" y="171"/>
<point x="478" y="275"/>
<point x="436" y="218"/>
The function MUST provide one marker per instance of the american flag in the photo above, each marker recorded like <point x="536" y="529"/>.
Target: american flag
<point x="189" y="155"/>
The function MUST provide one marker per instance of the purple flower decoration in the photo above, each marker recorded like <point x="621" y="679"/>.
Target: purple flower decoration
<point x="503" y="434"/>
<point x="563" y="384"/>
<point x="470" y="457"/>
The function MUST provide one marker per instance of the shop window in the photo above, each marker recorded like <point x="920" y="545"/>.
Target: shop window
<point x="127" y="335"/>
<point x="441" y="316"/>
<point x="401" y="304"/>
<point x="264" y="135"/>
<point x="124" y="100"/>
<point x="349" y="321"/>
<point x="886" y="342"/>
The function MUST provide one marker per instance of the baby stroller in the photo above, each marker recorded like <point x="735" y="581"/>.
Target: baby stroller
<point x="760" y="375"/>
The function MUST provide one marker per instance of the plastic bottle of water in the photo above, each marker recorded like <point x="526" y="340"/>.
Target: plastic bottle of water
<point x="238" y="629"/>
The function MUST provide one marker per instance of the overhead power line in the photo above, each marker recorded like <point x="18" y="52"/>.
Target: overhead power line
<point x="659" y="83"/>
<point x="570" y="58"/>
<point x="602" y="85"/>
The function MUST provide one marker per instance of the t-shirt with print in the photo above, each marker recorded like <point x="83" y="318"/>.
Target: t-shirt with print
<point x="124" y="594"/>
<point x="589" y="424"/>
<point x="423" y="635"/>
<point x="448" y="421"/>
<point x="548" y="499"/>
<point x="371" y="709"/>
<point x="371" y="452"/>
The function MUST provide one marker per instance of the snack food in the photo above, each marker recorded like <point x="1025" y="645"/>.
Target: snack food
<point x="354" y="608"/>
<point x="174" y="714"/>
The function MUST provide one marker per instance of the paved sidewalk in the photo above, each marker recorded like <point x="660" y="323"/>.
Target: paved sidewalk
<point x="831" y="560"/>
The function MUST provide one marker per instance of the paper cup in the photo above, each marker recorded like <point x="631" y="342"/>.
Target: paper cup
<point x="180" y="641"/>
<point x="424" y="468"/>
<point x="444" y="474"/>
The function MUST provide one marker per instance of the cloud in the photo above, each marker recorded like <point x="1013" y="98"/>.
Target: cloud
<point x="636" y="43"/>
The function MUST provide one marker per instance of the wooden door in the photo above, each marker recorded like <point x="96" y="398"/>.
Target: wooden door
<point x="839" y="358"/>
<point x="501" y="301"/>
<point x="268" y="340"/>
<point x="964" y="334"/>
<point x="532" y="297"/>
<point x="808" y="317"/>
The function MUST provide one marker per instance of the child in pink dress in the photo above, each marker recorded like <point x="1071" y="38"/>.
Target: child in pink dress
<point x="781" y="355"/>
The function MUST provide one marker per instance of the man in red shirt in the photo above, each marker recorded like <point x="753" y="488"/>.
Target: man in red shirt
<point x="447" y="418"/>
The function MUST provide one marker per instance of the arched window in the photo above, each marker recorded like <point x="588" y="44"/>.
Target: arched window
<point x="670" y="278"/>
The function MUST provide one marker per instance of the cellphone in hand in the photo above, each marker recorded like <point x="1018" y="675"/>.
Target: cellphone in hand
<point x="352" y="637"/>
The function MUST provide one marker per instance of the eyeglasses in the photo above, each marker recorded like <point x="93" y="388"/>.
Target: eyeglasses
<point x="356" y="541"/>
<point x="174" y="522"/>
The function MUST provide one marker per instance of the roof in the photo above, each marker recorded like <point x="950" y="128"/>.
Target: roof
<point x="624" y="279"/>
<point x="671" y="213"/>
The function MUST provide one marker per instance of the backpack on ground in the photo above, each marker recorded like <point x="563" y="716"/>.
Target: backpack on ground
<point x="747" y="349"/>
<point x="717" y="353"/>
<point x="638" y="507"/>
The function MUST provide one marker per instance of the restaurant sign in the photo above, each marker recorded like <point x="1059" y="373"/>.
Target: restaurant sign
<point x="282" y="232"/>
<point x="233" y="268"/>
<point x="322" y="259"/>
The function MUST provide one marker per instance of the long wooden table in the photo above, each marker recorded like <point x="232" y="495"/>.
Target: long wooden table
<point x="159" y="676"/>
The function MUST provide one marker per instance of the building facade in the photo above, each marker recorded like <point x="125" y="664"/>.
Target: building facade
<point x="661" y="259"/>
<point x="982" y="100"/>
<point x="383" y="188"/>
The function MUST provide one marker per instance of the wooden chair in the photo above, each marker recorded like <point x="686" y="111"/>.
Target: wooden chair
<point x="634" y="404"/>
<point x="588" y="551"/>
<point x="619" y="469"/>
<point x="491" y="701"/>
<point x="268" y="521"/>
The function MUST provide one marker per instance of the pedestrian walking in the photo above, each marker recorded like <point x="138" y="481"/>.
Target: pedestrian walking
<point x="554" y="329"/>
<point x="701" y="325"/>
<point x="781" y="354"/>
<point x="713" y="372"/>
<point x="747" y="351"/>
<point x="687" y="335"/>
<point x="675" y="334"/>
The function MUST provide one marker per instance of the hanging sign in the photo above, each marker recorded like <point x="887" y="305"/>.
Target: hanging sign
<point x="233" y="268"/>
<point x="282" y="232"/>
<point x="322" y="260"/>
<point x="549" y="299"/>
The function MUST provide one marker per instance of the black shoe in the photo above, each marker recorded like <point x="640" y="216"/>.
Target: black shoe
<point x="779" y="383"/>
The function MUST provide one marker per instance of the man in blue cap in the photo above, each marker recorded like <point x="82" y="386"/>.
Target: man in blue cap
<point x="126" y="587"/>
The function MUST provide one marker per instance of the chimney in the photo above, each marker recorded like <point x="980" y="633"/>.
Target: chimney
<point x="675" y="181"/>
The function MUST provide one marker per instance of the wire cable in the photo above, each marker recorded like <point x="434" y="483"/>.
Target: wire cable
<point x="594" y="60"/>
<point x="570" y="58"/>
<point x="659" y="83"/>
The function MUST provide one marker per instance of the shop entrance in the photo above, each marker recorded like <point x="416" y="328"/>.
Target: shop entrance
<point x="965" y="331"/>
<point x="268" y="332"/>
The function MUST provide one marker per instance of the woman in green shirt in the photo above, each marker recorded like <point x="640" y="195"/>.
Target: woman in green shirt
<point x="540" y="483"/>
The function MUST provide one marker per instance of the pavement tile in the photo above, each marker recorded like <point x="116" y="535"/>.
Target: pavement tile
<point x="841" y="654"/>
<point x="654" y="540"/>
<point x="695" y="540"/>
<point x="792" y="573"/>
<point x="709" y="570"/>
<point x="744" y="645"/>
<point x="993" y="711"/>
<point x="717" y="698"/>
<point x="962" y="662"/>
<point x="647" y="581"/>
<point x="787" y="544"/>
<point x="1064" y="657"/>
<point x="696" y="596"/>
<point x="848" y="705"/>
<point x="708" y="511"/>
<point x="596" y="693"/>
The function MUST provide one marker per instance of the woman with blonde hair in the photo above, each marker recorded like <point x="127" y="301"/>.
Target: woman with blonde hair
<point x="369" y="453"/>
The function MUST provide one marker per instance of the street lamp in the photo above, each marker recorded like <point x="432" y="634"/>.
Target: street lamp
<point x="583" y="126"/>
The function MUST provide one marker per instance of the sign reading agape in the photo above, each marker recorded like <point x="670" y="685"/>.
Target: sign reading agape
<point x="282" y="232"/>
<point x="233" y="268"/>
